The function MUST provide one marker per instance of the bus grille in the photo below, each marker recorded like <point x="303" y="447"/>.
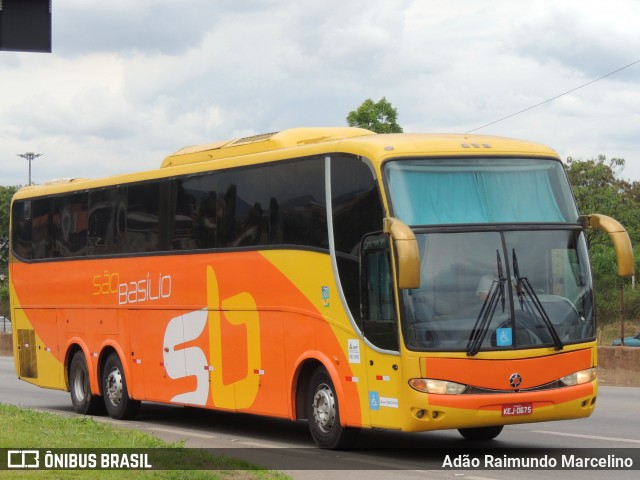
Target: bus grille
<point x="471" y="390"/>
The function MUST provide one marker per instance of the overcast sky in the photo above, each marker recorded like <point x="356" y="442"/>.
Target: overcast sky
<point x="131" y="81"/>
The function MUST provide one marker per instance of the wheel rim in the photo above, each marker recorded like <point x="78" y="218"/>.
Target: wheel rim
<point x="114" y="386"/>
<point x="324" y="408"/>
<point x="79" y="384"/>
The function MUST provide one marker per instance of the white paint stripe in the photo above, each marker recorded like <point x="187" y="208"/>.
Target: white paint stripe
<point x="591" y="437"/>
<point x="260" y="444"/>
<point x="465" y="476"/>
<point x="475" y="477"/>
<point x="176" y="431"/>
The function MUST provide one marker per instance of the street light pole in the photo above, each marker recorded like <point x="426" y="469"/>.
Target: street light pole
<point x="30" y="156"/>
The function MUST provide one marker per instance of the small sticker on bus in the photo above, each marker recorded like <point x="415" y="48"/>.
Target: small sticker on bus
<point x="504" y="337"/>
<point x="388" y="402"/>
<point x="354" y="350"/>
<point x="325" y="296"/>
<point x="374" y="401"/>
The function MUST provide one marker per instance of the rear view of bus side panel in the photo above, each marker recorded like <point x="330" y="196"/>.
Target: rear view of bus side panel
<point x="35" y="354"/>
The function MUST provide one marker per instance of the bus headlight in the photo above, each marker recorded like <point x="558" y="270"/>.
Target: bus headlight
<point x="578" y="378"/>
<point x="441" y="387"/>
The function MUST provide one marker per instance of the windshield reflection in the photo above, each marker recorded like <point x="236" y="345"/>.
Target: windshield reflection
<point x="473" y="299"/>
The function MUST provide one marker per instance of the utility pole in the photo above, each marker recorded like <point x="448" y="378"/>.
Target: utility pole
<point x="30" y="156"/>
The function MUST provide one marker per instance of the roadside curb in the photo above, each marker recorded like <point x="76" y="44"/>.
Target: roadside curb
<point x="619" y="366"/>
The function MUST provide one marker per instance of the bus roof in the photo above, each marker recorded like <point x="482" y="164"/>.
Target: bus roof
<point x="298" y="142"/>
<point x="359" y="139"/>
<point x="291" y="138"/>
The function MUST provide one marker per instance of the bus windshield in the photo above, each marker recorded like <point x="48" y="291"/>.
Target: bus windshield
<point x="479" y="190"/>
<point x="503" y="263"/>
<point x="500" y="290"/>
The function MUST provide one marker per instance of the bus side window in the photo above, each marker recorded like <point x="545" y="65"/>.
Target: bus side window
<point x="70" y="225"/>
<point x="21" y="241"/>
<point x="357" y="211"/>
<point x="41" y="228"/>
<point x="378" y="314"/>
<point x="297" y="208"/>
<point x="107" y="220"/>
<point x="143" y="218"/>
<point x="193" y="223"/>
<point x="243" y="207"/>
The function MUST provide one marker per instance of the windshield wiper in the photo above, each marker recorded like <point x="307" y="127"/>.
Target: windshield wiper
<point x="481" y="327"/>
<point x="523" y="287"/>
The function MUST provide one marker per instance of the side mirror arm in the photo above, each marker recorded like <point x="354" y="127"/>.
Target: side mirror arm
<point x="406" y="247"/>
<point x="619" y="238"/>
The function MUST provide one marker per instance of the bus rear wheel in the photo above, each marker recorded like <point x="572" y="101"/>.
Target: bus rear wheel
<point x="481" y="433"/>
<point x="84" y="402"/>
<point x="323" y="413"/>
<point x="114" y="390"/>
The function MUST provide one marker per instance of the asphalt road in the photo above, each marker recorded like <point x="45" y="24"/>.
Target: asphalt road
<point x="286" y="446"/>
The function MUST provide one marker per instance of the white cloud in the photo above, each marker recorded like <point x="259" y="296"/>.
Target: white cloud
<point x="590" y="37"/>
<point x="130" y="82"/>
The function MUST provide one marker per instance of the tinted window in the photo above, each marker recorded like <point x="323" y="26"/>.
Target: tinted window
<point x="21" y="233"/>
<point x="379" y="321"/>
<point x="297" y="208"/>
<point x="243" y="207"/>
<point x="281" y="203"/>
<point x="143" y="216"/>
<point x="271" y="204"/>
<point x="107" y="220"/>
<point x="357" y="210"/>
<point x="194" y="220"/>
<point x="41" y="224"/>
<point x="70" y="225"/>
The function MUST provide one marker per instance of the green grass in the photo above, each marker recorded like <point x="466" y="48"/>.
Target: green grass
<point x="25" y="429"/>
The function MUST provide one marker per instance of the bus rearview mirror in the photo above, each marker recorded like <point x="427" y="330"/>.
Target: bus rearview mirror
<point x="619" y="238"/>
<point x="408" y="255"/>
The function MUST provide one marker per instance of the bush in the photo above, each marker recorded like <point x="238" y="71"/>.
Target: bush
<point x="4" y="300"/>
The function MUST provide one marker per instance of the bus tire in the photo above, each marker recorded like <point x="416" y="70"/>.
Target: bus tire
<point x="323" y="413"/>
<point x="481" y="433"/>
<point x="114" y="390"/>
<point x="83" y="401"/>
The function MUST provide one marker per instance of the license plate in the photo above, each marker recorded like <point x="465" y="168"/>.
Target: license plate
<point x="515" y="409"/>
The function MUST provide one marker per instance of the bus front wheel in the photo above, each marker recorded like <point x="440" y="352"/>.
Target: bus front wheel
<point x="481" y="433"/>
<point x="323" y="413"/>
<point x="114" y="390"/>
<point x="83" y="400"/>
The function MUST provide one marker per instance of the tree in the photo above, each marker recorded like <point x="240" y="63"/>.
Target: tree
<point x="379" y="117"/>
<point x="6" y="193"/>
<point x="597" y="189"/>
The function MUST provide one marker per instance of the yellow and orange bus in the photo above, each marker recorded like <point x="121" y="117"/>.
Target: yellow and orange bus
<point x="411" y="282"/>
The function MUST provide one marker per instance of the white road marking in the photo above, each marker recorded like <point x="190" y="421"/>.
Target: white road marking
<point x="260" y="444"/>
<point x="182" y="432"/>
<point x="590" y="437"/>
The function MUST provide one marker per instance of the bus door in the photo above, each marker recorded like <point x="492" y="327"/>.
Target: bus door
<point x="380" y="328"/>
